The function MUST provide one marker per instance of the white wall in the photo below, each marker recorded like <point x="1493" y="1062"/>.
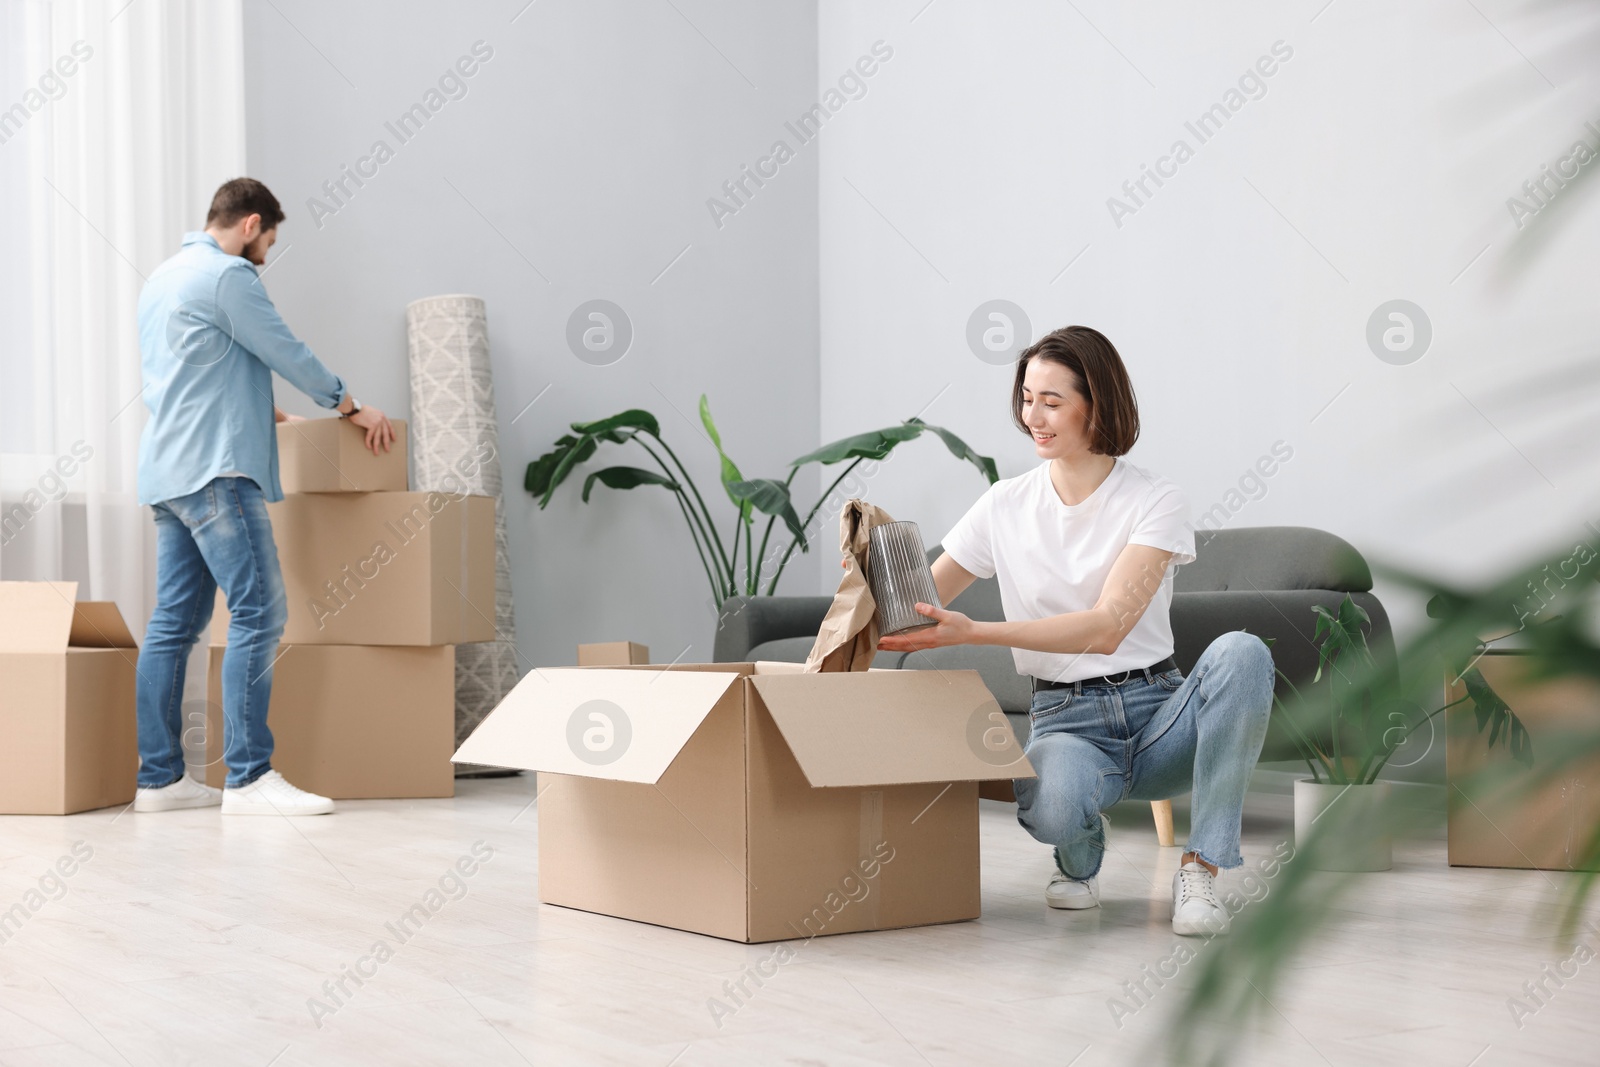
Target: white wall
<point x="1376" y="166"/>
<point x="590" y="141"/>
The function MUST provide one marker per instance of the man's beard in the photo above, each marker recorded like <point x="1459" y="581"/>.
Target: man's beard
<point x="256" y="251"/>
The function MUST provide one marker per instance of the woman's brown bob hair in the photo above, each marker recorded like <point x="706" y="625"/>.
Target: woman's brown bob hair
<point x="1102" y="380"/>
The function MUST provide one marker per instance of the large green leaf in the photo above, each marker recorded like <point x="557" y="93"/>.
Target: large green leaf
<point x="730" y="471"/>
<point x="1492" y="711"/>
<point x="537" y="478"/>
<point x="772" y="498"/>
<point x="1344" y="634"/>
<point x="574" y="455"/>
<point x="626" y="478"/>
<point x="961" y="450"/>
<point x="634" y="418"/>
<point x="877" y="444"/>
<point x="873" y="445"/>
<point x="545" y="474"/>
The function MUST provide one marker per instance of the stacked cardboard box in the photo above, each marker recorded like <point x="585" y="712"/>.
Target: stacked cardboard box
<point x="382" y="584"/>
<point x="67" y="719"/>
<point x="612" y="653"/>
<point x="1541" y="814"/>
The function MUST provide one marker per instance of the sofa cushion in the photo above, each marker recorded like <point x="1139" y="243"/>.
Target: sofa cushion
<point x="1272" y="558"/>
<point x="787" y="649"/>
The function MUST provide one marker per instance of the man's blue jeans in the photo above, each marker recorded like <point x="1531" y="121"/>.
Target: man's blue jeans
<point x="1152" y="737"/>
<point x="218" y="535"/>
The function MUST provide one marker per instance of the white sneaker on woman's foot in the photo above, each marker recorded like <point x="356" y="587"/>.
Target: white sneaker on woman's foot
<point x="1064" y="891"/>
<point x="184" y="793"/>
<point x="271" y="794"/>
<point x="1196" y="911"/>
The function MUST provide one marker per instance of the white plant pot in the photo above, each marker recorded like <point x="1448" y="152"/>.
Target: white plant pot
<point x="1355" y="835"/>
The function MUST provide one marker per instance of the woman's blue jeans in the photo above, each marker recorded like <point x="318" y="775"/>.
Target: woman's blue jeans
<point x="218" y="535"/>
<point x="1152" y="737"/>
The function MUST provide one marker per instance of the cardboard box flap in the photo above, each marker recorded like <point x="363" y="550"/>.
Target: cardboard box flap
<point x="620" y="724"/>
<point x="98" y="624"/>
<point x="36" y="616"/>
<point x="864" y="728"/>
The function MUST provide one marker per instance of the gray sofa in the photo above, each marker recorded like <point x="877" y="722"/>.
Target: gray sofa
<point x="1264" y="579"/>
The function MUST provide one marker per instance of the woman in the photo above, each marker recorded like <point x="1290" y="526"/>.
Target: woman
<point x="1082" y="546"/>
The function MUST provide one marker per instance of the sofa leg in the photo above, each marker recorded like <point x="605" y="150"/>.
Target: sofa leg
<point x="1162" y="812"/>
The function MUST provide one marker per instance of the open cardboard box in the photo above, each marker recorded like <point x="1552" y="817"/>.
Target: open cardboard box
<point x="68" y="721"/>
<point x="753" y="801"/>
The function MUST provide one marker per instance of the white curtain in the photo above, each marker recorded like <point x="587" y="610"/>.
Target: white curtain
<point x="129" y="117"/>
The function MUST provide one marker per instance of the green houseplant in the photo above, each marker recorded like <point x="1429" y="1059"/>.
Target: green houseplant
<point x="768" y="496"/>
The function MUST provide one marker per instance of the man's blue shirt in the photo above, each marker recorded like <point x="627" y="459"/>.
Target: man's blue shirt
<point x="209" y="340"/>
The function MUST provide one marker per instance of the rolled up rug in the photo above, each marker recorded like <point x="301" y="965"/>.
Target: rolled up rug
<point x="455" y="448"/>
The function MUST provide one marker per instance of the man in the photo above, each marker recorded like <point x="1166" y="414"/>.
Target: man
<point x="209" y="340"/>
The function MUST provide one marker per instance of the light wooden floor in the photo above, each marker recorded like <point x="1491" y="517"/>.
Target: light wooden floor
<point x="189" y="939"/>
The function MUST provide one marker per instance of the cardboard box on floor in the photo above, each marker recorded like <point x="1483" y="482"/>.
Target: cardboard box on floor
<point x="68" y="722"/>
<point x="612" y="653"/>
<point x="382" y="569"/>
<point x="353" y="721"/>
<point x="753" y="801"/>
<point x="1497" y="822"/>
<point x="330" y="455"/>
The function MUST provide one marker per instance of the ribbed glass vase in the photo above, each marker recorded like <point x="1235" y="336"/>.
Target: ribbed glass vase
<point x="897" y="568"/>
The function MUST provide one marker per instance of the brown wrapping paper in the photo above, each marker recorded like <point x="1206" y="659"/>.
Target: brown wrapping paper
<point x="849" y="635"/>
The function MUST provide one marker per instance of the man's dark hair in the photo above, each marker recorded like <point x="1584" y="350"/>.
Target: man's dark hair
<point x="1102" y="380"/>
<point x="241" y="198"/>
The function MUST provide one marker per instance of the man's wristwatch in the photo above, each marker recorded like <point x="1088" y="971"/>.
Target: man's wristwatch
<point x="355" y="406"/>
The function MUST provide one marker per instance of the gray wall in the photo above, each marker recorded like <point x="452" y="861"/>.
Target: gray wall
<point x="581" y="160"/>
<point x="977" y="163"/>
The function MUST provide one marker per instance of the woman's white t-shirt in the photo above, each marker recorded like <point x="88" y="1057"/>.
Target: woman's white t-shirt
<point x="1052" y="558"/>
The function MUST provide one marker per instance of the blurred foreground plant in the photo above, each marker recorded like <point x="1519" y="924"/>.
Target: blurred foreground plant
<point x="1348" y="734"/>
<point x="1241" y="973"/>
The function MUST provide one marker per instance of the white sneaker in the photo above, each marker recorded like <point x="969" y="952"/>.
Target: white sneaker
<point x="1196" y="911"/>
<point x="1065" y="891"/>
<point x="186" y="792"/>
<point x="271" y="794"/>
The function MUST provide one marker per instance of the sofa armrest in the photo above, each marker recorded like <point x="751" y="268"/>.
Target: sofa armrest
<point x="745" y="622"/>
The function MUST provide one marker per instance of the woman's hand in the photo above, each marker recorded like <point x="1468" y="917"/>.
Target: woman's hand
<point x="951" y="628"/>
